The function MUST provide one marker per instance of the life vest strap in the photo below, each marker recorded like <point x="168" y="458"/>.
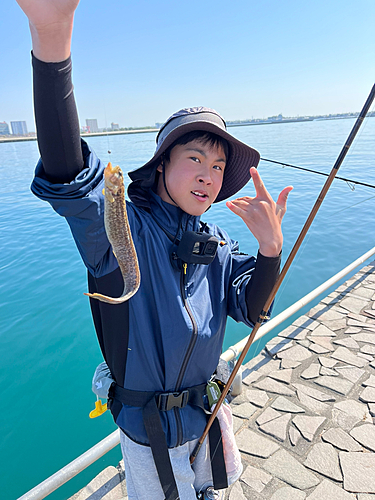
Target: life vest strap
<point x="153" y="402"/>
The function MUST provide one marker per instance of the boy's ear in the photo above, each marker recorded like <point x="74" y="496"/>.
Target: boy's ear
<point x="159" y="167"/>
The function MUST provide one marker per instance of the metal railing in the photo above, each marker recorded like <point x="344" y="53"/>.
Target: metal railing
<point x="97" y="451"/>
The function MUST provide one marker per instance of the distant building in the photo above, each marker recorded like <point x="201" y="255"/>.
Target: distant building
<point x="19" y="128"/>
<point x="92" y="125"/>
<point x="4" y="129"/>
<point x="115" y="126"/>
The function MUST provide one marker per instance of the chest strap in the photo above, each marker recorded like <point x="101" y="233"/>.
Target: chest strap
<point x="153" y="402"/>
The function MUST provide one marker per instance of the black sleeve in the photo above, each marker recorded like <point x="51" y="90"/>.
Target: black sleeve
<point x="56" y="120"/>
<point x="262" y="281"/>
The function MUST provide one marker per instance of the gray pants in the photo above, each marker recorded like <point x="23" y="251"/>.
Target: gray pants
<point x="142" y="480"/>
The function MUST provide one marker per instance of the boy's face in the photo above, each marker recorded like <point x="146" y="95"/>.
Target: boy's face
<point x="193" y="176"/>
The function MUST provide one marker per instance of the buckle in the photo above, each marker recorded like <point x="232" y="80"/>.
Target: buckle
<point x="169" y="400"/>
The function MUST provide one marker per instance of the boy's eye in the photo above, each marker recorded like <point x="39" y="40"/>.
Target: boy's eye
<point x="218" y="167"/>
<point x="194" y="158"/>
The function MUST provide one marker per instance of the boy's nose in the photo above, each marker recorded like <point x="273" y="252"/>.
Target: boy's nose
<point x="205" y="177"/>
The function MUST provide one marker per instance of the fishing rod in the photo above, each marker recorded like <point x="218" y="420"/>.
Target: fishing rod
<point x="287" y="265"/>
<point x="320" y="173"/>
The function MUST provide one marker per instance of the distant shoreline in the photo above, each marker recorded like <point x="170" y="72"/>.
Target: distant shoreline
<point x="149" y="130"/>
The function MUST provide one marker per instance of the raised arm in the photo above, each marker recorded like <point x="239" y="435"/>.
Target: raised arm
<point x="51" y="24"/>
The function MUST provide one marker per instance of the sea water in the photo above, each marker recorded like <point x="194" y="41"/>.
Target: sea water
<point x="48" y="347"/>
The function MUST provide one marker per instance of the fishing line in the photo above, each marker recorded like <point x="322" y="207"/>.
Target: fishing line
<point x="355" y="204"/>
<point x="348" y="181"/>
<point x="106" y="130"/>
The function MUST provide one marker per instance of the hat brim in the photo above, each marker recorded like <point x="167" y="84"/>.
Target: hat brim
<point x="237" y="170"/>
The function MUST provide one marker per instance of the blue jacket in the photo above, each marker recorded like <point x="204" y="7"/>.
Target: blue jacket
<point x="160" y="348"/>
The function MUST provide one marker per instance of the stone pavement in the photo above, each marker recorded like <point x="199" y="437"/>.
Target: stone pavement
<point x="304" y="421"/>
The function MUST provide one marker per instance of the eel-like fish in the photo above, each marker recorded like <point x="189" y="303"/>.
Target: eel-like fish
<point x="119" y="235"/>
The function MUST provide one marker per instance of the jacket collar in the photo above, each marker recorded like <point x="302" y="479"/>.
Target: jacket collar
<point x="171" y="218"/>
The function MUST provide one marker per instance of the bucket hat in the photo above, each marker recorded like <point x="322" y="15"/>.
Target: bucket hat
<point x="237" y="170"/>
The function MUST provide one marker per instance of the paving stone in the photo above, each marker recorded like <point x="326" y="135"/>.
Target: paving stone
<point x="348" y="342"/>
<point x="324" y="313"/>
<point x="354" y="408"/>
<point x="241" y="398"/>
<point x="237" y="423"/>
<point x="293" y="332"/>
<point x="352" y="329"/>
<point x="289" y="363"/>
<point x="340" y="439"/>
<point x="295" y="353"/>
<point x="318" y="349"/>
<point x="353" y="304"/>
<point x="323" y="458"/>
<point x="252" y="377"/>
<point x="371" y="408"/>
<point x="369" y="313"/>
<point x="338" y="384"/>
<point x="328" y="491"/>
<point x="327" y="362"/>
<point x="365" y="435"/>
<point x="304" y="343"/>
<point x="294" y="435"/>
<point x="306" y="322"/>
<point x="308" y="426"/>
<point x="336" y="324"/>
<point x="367" y="357"/>
<point x="328" y="371"/>
<point x="257" y="398"/>
<point x="268" y="414"/>
<point x="282" y="375"/>
<point x="285" y="467"/>
<point x="357" y="317"/>
<point x="368" y="349"/>
<point x="277" y="428"/>
<point x="365" y="496"/>
<point x="368" y="395"/>
<point x="107" y="484"/>
<point x="236" y="492"/>
<point x="351" y="373"/>
<point x="367" y="326"/>
<point x="322" y="331"/>
<point x="363" y="292"/>
<point x="312" y="404"/>
<point x="244" y="410"/>
<point x="343" y="420"/>
<point x="255" y="478"/>
<point x="323" y="342"/>
<point x="314" y="393"/>
<point x="359" y="471"/>
<point x="343" y="354"/>
<point x="262" y="363"/>
<point x="339" y="309"/>
<point x="288" y="493"/>
<point x="268" y="384"/>
<point x="372" y="364"/>
<point x="311" y="372"/>
<point x="278" y="344"/>
<point x="284" y="404"/>
<point x="252" y="443"/>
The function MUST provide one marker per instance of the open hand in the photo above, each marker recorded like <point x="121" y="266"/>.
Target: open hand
<point x="262" y="215"/>
<point x="51" y="23"/>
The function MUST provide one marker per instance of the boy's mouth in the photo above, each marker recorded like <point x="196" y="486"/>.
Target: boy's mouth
<point x="201" y="195"/>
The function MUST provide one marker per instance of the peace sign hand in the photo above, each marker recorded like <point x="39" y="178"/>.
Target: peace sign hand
<point x="262" y="215"/>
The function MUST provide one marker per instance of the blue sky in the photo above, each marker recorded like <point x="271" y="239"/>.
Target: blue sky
<point x="135" y="63"/>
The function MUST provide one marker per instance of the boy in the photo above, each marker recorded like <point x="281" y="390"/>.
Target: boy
<point x="163" y="345"/>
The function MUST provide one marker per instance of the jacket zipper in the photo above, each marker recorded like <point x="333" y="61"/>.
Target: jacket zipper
<point x="189" y="351"/>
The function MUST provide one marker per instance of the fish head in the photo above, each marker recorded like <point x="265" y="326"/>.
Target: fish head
<point x="113" y="179"/>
